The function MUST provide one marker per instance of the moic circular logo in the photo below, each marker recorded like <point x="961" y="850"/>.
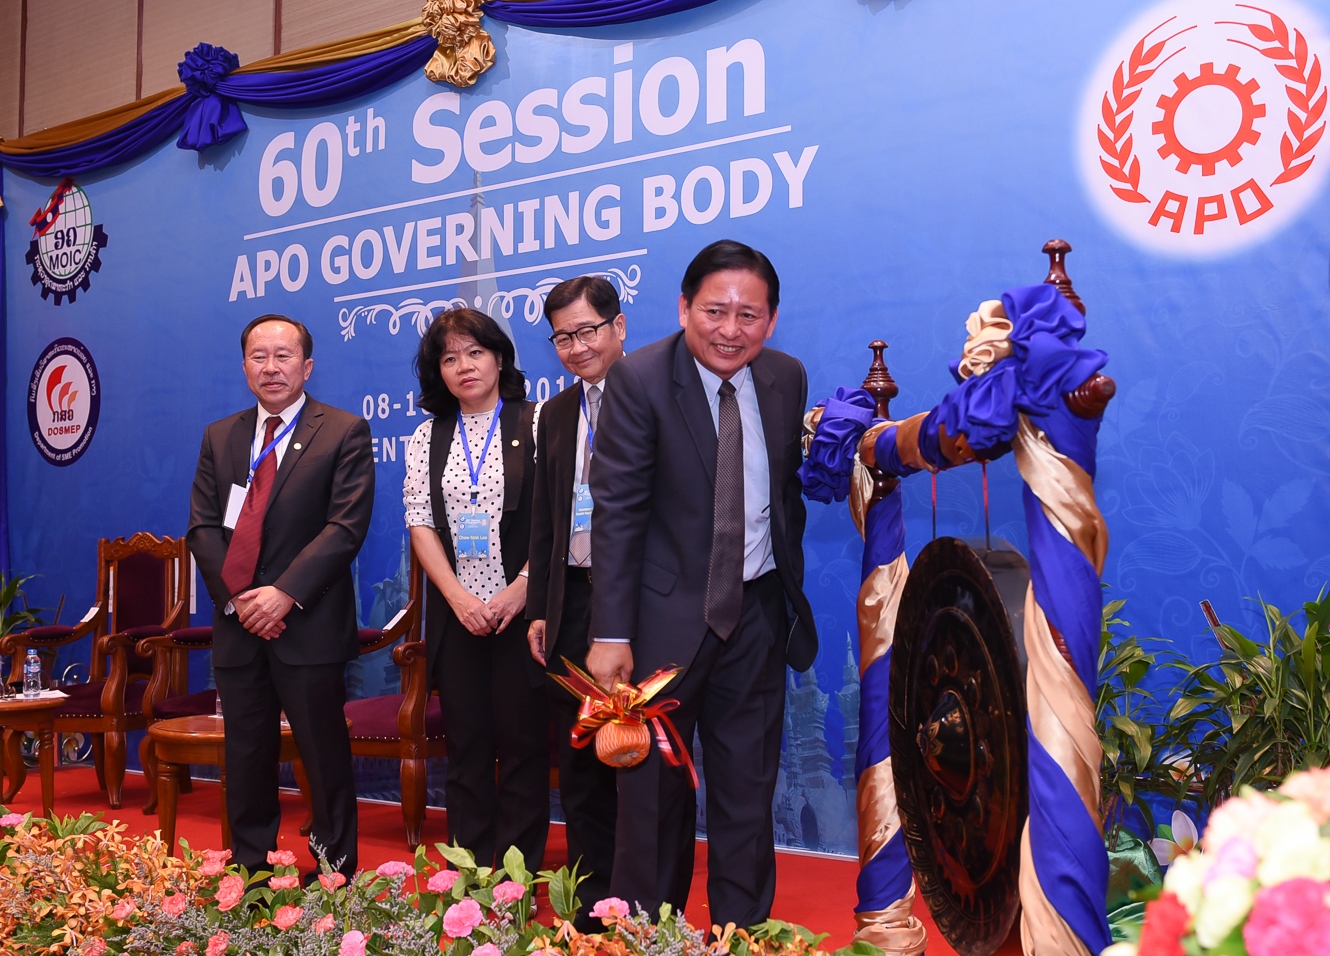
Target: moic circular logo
<point x="64" y="401"/>
<point x="1201" y="127"/>
<point x="66" y="247"/>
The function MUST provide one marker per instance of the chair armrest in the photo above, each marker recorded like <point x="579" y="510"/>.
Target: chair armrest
<point x="410" y="656"/>
<point x="51" y="636"/>
<point x="403" y="622"/>
<point x="407" y="653"/>
<point x="114" y="646"/>
<point x="178" y="617"/>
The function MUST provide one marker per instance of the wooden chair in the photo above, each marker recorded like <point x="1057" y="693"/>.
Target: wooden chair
<point x="167" y="694"/>
<point x="142" y="591"/>
<point x="407" y="726"/>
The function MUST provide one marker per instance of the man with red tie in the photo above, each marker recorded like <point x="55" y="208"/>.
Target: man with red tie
<point x="279" y="509"/>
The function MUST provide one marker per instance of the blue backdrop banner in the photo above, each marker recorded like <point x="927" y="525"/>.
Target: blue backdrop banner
<point x="899" y="162"/>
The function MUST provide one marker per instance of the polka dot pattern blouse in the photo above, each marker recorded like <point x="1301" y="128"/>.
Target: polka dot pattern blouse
<point x="482" y="577"/>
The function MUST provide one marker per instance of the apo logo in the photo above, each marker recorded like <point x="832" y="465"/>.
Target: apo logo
<point x="1201" y="127"/>
<point x="64" y="401"/>
<point x="66" y="247"/>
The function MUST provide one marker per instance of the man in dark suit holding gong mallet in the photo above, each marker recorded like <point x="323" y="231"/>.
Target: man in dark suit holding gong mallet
<point x="697" y="544"/>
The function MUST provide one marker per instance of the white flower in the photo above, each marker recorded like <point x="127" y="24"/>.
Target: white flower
<point x="1120" y="949"/>
<point x="1227" y="901"/>
<point x="1289" y="844"/>
<point x="1185" y="879"/>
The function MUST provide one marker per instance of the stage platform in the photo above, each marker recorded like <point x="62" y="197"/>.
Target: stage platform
<point x="814" y="891"/>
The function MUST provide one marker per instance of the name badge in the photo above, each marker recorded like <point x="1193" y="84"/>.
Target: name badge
<point x="582" y="508"/>
<point x="233" y="505"/>
<point x="473" y="535"/>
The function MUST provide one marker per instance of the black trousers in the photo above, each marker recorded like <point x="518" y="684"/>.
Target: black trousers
<point x="312" y="695"/>
<point x="496" y="713"/>
<point x="587" y="787"/>
<point x="733" y="694"/>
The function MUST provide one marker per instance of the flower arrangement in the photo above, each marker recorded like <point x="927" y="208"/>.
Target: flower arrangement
<point x="80" y="887"/>
<point x="1257" y="885"/>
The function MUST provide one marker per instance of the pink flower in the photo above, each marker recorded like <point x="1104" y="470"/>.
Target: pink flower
<point x="353" y="944"/>
<point x="331" y="881"/>
<point x="11" y="820"/>
<point x="1289" y="919"/>
<point x="93" y="946"/>
<point x="461" y="918"/>
<point x="489" y="949"/>
<point x="287" y="916"/>
<point x="281" y="858"/>
<point x="324" y="923"/>
<point x="124" y="909"/>
<point x="175" y="904"/>
<point x="1238" y="816"/>
<point x="1237" y="857"/>
<point x="214" y="862"/>
<point x="442" y="881"/>
<point x="187" y="948"/>
<point x="229" y="892"/>
<point x="509" y="892"/>
<point x="393" y="868"/>
<point x="1311" y="787"/>
<point x="218" y="943"/>
<point x="610" y="908"/>
<point x="288" y="882"/>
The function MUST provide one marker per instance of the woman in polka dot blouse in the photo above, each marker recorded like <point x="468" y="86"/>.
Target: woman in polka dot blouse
<point x="467" y="495"/>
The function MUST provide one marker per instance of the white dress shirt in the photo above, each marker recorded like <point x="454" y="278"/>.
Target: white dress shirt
<point x="287" y="415"/>
<point x="758" y="555"/>
<point x="581" y="460"/>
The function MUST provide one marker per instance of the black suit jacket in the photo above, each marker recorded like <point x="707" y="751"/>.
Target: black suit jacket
<point x="552" y="512"/>
<point x="653" y="482"/>
<point x="318" y="516"/>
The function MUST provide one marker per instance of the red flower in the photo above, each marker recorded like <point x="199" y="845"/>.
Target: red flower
<point x="1166" y="921"/>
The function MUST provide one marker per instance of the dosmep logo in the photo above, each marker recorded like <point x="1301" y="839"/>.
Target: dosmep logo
<point x="1200" y="128"/>
<point x="66" y="245"/>
<point x="64" y="401"/>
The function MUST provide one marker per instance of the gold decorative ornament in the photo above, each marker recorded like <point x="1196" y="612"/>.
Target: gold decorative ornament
<point x="465" y="49"/>
<point x="623" y="745"/>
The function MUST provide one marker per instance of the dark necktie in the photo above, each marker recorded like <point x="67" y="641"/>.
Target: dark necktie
<point x="242" y="557"/>
<point x="579" y="545"/>
<point x="725" y="571"/>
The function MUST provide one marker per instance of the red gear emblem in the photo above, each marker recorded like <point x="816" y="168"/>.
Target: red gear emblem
<point x="1230" y="153"/>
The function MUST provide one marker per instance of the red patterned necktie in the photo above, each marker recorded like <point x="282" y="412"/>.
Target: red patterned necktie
<point x="725" y="570"/>
<point x="242" y="557"/>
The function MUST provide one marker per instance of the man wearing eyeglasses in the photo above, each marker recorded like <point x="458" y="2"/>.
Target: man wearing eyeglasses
<point x="589" y="331"/>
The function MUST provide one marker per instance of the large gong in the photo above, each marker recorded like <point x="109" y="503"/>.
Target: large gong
<point x="958" y="738"/>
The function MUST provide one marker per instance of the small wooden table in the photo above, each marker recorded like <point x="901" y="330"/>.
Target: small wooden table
<point x="181" y="741"/>
<point x="36" y="714"/>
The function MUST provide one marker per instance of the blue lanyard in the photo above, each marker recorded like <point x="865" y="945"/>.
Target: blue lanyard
<point x="590" y="432"/>
<point x="268" y="449"/>
<point x="472" y="466"/>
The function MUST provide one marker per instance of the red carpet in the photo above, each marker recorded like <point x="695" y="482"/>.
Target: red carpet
<point x="812" y="891"/>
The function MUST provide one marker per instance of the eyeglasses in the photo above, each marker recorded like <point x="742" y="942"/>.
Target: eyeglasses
<point x="563" y="341"/>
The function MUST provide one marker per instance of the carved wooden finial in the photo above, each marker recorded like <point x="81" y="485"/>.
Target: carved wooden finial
<point x="878" y="382"/>
<point x="1057" y="250"/>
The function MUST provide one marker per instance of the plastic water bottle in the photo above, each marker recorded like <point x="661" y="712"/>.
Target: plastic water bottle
<point x="32" y="674"/>
<point x="218" y="709"/>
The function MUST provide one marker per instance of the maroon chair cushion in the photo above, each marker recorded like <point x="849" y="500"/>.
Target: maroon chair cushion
<point x="85" y="700"/>
<point x="47" y="634"/>
<point x="368" y="635"/>
<point x="375" y="718"/>
<point x="193" y="636"/>
<point x="186" y="705"/>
